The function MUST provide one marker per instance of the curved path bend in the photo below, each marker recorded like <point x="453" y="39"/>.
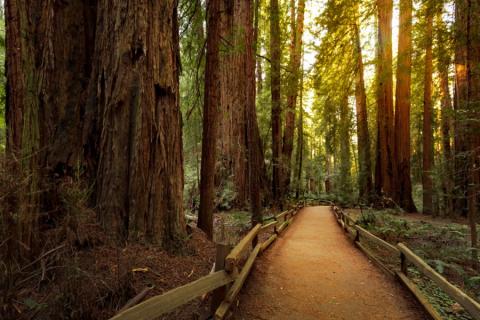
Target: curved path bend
<point x="313" y="272"/>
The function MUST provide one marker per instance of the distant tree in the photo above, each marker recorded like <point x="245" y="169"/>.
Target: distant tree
<point x="296" y="42"/>
<point x="384" y="184"/>
<point x="365" y="183"/>
<point x="275" y="56"/>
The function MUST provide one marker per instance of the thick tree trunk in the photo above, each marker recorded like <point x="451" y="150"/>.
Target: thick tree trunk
<point x="275" y="55"/>
<point x="365" y="183"/>
<point x="297" y="26"/>
<point x="403" y="194"/>
<point x="47" y="74"/>
<point x="427" y="120"/>
<point x="135" y="87"/>
<point x="384" y="164"/>
<point x="210" y="114"/>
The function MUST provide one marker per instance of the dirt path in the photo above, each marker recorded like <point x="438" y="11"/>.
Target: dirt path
<point x="314" y="272"/>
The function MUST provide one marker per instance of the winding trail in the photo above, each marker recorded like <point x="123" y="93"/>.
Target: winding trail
<point x="314" y="272"/>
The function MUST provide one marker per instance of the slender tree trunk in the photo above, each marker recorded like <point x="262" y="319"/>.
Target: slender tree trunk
<point x="345" y="142"/>
<point x="297" y="26"/>
<point x="460" y="105"/>
<point x="300" y="148"/>
<point x="384" y="164"/>
<point x="258" y="6"/>
<point x="275" y="52"/>
<point x="365" y="183"/>
<point x="403" y="196"/>
<point x="211" y="109"/>
<point x="473" y="116"/>
<point x="255" y="161"/>
<point x="443" y="63"/>
<point x="427" y="120"/>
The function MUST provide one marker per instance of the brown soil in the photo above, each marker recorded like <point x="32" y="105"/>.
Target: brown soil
<point x="314" y="272"/>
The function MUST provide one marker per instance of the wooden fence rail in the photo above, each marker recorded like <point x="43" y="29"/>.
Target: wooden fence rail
<point x="233" y="276"/>
<point x="406" y="255"/>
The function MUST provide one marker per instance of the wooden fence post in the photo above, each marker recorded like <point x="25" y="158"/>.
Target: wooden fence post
<point x="218" y="295"/>
<point x="403" y="263"/>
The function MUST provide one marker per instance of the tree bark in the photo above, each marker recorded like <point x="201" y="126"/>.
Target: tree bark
<point x="427" y="119"/>
<point x="135" y="88"/>
<point x="460" y="105"/>
<point x="275" y="53"/>
<point x="211" y="110"/>
<point x="48" y="50"/>
<point x="443" y="63"/>
<point x="297" y="26"/>
<point x="384" y="154"/>
<point x="365" y="184"/>
<point x="403" y="194"/>
<point x="255" y="159"/>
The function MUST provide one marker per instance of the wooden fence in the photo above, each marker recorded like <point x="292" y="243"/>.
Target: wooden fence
<point x="406" y="256"/>
<point x="237" y="265"/>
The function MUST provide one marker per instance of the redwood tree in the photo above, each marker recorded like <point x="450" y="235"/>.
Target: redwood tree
<point x="296" y="43"/>
<point x="403" y="194"/>
<point x="49" y="53"/>
<point x="427" y="118"/>
<point x="108" y="70"/>
<point x="365" y="183"/>
<point x="384" y="164"/>
<point x="210" y="112"/>
<point x="275" y="54"/>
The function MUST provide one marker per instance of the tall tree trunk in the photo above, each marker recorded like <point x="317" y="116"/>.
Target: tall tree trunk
<point x="403" y="194"/>
<point x="345" y="142"/>
<point x="211" y="109"/>
<point x="384" y="165"/>
<point x="275" y="55"/>
<point x="255" y="159"/>
<point x="300" y="147"/>
<point x="473" y="116"/>
<point x="297" y="26"/>
<point x="427" y="119"/>
<point x="43" y="113"/>
<point x="365" y="184"/>
<point x="135" y="87"/>
<point x="460" y="105"/>
<point x="443" y="63"/>
<point x="258" y="6"/>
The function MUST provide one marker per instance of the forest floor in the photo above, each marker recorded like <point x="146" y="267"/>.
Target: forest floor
<point x="96" y="280"/>
<point x="314" y="272"/>
<point x="441" y="242"/>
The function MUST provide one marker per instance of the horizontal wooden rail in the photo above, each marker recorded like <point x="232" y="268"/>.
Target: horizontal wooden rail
<point x="161" y="304"/>
<point x="158" y="305"/>
<point x="234" y="256"/>
<point x="472" y="306"/>
<point x="237" y="285"/>
<point x="419" y="295"/>
<point x="376" y="239"/>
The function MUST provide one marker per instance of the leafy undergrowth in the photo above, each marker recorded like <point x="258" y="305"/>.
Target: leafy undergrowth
<point x="444" y="246"/>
